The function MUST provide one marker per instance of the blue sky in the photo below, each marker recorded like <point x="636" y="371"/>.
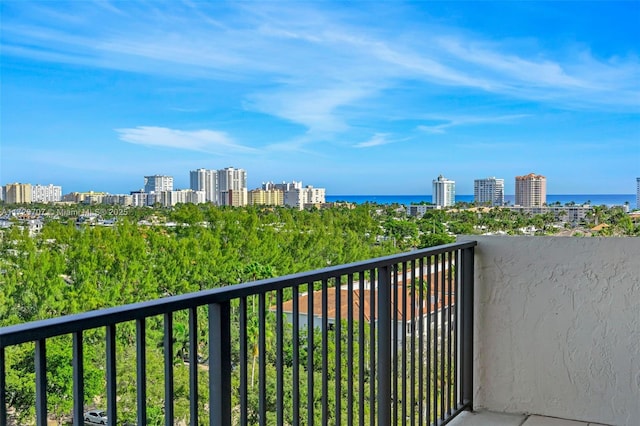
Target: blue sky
<point x="358" y="97"/>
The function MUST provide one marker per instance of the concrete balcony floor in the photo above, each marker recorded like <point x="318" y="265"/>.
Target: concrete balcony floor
<point x="489" y="418"/>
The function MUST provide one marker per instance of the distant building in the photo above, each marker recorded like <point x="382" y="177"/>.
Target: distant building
<point x="266" y="197"/>
<point x="158" y="183"/>
<point x="140" y="199"/>
<point x="232" y="187"/>
<point x="444" y="192"/>
<point x="180" y="196"/>
<point x="89" y="197"/>
<point x="567" y="213"/>
<point x="207" y="181"/>
<point x="419" y="210"/>
<point x="46" y="193"/>
<point x="638" y="192"/>
<point x="531" y="190"/>
<point x="118" y="200"/>
<point x="300" y="198"/>
<point x="284" y="186"/>
<point x="489" y="191"/>
<point x="17" y="193"/>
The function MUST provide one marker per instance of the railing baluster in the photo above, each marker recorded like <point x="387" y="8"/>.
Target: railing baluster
<point x="435" y="339"/>
<point x="244" y="359"/>
<point x="395" y="303"/>
<point x="77" y="362"/>
<point x="168" y="369"/>
<point x="428" y="380"/>
<point x="3" y="388"/>
<point x="279" y="360"/>
<point x="41" y="382"/>
<point x="443" y="361"/>
<point x="111" y="374"/>
<point x="338" y="351"/>
<point x="466" y="337"/>
<point x="193" y="366"/>
<point x="350" y="413"/>
<point x="372" y="346"/>
<point x="262" y="347"/>
<point x="78" y="379"/>
<point x="403" y="363"/>
<point x="310" y="342"/>
<point x="296" y="356"/>
<point x="412" y="356"/>
<point x="361" y="348"/>
<point x="421" y="381"/>
<point x="141" y="370"/>
<point x="384" y="345"/>
<point x="325" y="353"/>
<point x="450" y="361"/>
<point x="220" y="364"/>
<point x="456" y="324"/>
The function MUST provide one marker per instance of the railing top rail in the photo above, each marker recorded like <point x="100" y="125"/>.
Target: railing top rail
<point x="43" y="329"/>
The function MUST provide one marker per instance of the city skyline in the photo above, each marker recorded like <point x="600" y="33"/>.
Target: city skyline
<point x="372" y="98"/>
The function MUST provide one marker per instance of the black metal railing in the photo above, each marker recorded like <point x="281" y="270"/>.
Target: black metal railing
<point x="386" y="341"/>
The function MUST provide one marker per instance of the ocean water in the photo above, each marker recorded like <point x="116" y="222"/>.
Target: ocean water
<point x="593" y="199"/>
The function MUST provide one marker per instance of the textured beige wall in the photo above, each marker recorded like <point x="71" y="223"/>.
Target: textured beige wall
<point x="558" y="327"/>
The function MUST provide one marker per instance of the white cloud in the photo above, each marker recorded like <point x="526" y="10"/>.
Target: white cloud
<point x="447" y="122"/>
<point x="209" y="141"/>
<point x="377" y="140"/>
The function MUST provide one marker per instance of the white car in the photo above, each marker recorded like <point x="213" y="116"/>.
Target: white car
<point x="96" y="416"/>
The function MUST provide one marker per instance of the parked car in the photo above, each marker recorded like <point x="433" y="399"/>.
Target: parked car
<point x="96" y="416"/>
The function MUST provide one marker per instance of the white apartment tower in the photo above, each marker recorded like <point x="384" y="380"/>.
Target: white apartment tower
<point x="207" y="181"/>
<point x="232" y="187"/>
<point x="444" y="192"/>
<point x="299" y="198"/>
<point x="531" y="190"/>
<point x="158" y="183"/>
<point x="46" y="193"/>
<point x="489" y="191"/>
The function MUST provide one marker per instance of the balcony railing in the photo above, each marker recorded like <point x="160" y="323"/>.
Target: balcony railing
<point x="386" y="341"/>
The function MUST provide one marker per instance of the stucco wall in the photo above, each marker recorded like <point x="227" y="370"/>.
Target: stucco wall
<point x="558" y="327"/>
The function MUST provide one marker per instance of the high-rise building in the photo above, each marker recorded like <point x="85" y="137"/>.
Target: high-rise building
<point x="158" y="183"/>
<point x="531" y="190"/>
<point x="207" y="181"/>
<point x="46" y="193"/>
<point x="489" y="191"/>
<point x="17" y="193"/>
<point x="232" y="187"/>
<point x="444" y="192"/>
<point x="638" y="192"/>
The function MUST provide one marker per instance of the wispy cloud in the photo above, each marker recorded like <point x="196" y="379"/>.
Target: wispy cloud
<point x="209" y="141"/>
<point x="446" y="122"/>
<point x="377" y="140"/>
